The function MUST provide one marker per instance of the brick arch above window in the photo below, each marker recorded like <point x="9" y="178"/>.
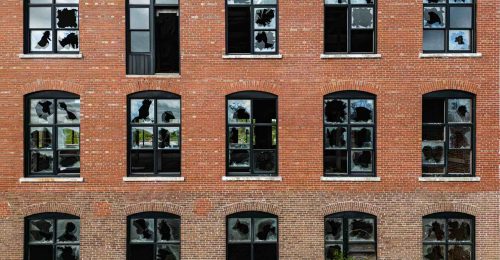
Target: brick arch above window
<point x="153" y="85"/>
<point x="353" y="206"/>
<point x="41" y="208"/>
<point x="154" y="207"/>
<point x="52" y="85"/>
<point x="257" y="86"/>
<point x="349" y="85"/>
<point x="246" y="206"/>
<point x="440" y="85"/>
<point x="449" y="207"/>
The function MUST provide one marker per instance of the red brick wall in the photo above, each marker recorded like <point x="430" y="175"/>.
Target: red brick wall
<point x="300" y="80"/>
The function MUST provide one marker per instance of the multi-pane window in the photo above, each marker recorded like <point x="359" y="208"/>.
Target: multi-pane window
<point x="153" y="36"/>
<point x="448" y="133"/>
<point x="52" y="236"/>
<point x="449" y="25"/>
<point x="350" y="26"/>
<point x="52" y="26"/>
<point x="252" y="26"/>
<point x="52" y="135"/>
<point x="448" y="236"/>
<point x="252" y="134"/>
<point x="154" y="133"/>
<point x="352" y="235"/>
<point x="252" y="236"/>
<point x="349" y="134"/>
<point x="154" y="236"/>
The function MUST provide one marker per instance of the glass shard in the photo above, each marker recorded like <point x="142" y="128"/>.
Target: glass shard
<point x="239" y="137"/>
<point x="335" y="137"/>
<point x="361" y="137"/>
<point x="335" y="111"/>
<point x="434" y="17"/>
<point x="68" y="230"/>
<point x="67" y="17"/>
<point x="68" y="111"/>
<point x="361" y="230"/>
<point x="459" y="40"/>
<point x="168" y="137"/>
<point x="361" y="161"/>
<point x="141" y="230"/>
<point x="239" y="158"/>
<point x="265" y="18"/>
<point x="169" y="111"/>
<point x="42" y="162"/>
<point x="460" y="137"/>
<point x="459" y="230"/>
<point x="434" y="252"/>
<point x="361" y="111"/>
<point x="265" y="41"/>
<point x="362" y="18"/>
<point x="239" y="111"/>
<point x="434" y="230"/>
<point x="42" y="111"/>
<point x="142" y="137"/>
<point x="459" y="110"/>
<point x="142" y="111"/>
<point x="41" y="231"/>
<point x="170" y="252"/>
<point x="333" y="229"/>
<point x="41" y="137"/>
<point x="68" y="138"/>
<point x="239" y="229"/>
<point x="265" y="229"/>
<point x="168" y="230"/>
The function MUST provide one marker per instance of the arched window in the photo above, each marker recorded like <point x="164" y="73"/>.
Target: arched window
<point x="252" y="133"/>
<point x="349" y="134"/>
<point x="351" y="234"/>
<point x="153" y="236"/>
<point x="448" y="236"/>
<point x="448" y="133"/>
<point x="52" y="134"/>
<point x="154" y="133"/>
<point x="52" y="236"/>
<point x="252" y="236"/>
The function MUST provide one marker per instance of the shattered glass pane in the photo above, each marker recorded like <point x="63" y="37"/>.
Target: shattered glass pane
<point x="433" y="230"/>
<point x="459" y="252"/>
<point x="68" y="111"/>
<point x="68" y="230"/>
<point x="169" y="111"/>
<point x="361" y="230"/>
<point x="68" y="138"/>
<point x="41" y="137"/>
<point x="168" y="230"/>
<point x="139" y="42"/>
<point x="68" y="252"/>
<point x="67" y="17"/>
<point x="265" y="41"/>
<point x="335" y="137"/>
<point x="361" y="111"/>
<point x="361" y="137"/>
<point x="142" y="111"/>
<point x="168" y="137"/>
<point x="265" y="18"/>
<point x="142" y="230"/>
<point x="69" y="161"/>
<point x="265" y="251"/>
<point x="335" y="162"/>
<point x="333" y="229"/>
<point x="264" y="111"/>
<point x="42" y="111"/>
<point x="460" y="1"/>
<point x="169" y="2"/>
<point x="40" y="18"/>
<point x="67" y="1"/>
<point x="459" y="40"/>
<point x="434" y="17"/>
<point x="40" y="1"/>
<point x="335" y="111"/>
<point x="139" y="18"/>
<point x="362" y="18"/>
<point x="362" y="256"/>
<point x="333" y="252"/>
<point x="68" y="40"/>
<point x="239" y="158"/>
<point x="434" y="1"/>
<point x="169" y="161"/>
<point x="361" y="161"/>
<point x="239" y="252"/>
<point x="239" y="229"/>
<point x="264" y="137"/>
<point x="459" y="161"/>
<point x="42" y="162"/>
<point x="433" y="111"/>
<point x="41" y="41"/>
<point x="459" y="110"/>
<point x="142" y="161"/>
<point x="434" y="252"/>
<point x="460" y="17"/>
<point x="366" y="248"/>
<point x="142" y="137"/>
<point x="433" y="133"/>
<point x="433" y="40"/>
<point x="460" y="137"/>
<point x="459" y="230"/>
<point x="432" y="152"/>
<point x="170" y="252"/>
<point x="335" y="2"/>
<point x="264" y="161"/>
<point x="138" y="2"/>
<point x="41" y="231"/>
<point x="362" y="2"/>
<point x="239" y="137"/>
<point x="238" y="2"/>
<point x="264" y="2"/>
<point x="239" y="111"/>
<point x="432" y="170"/>
<point x="265" y="229"/>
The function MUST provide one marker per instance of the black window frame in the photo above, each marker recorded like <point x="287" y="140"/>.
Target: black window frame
<point x="349" y="7"/>
<point x="447" y="28"/>
<point x="54" y="216"/>
<point x="446" y="95"/>
<point x="154" y="95"/>
<point x="447" y="216"/>
<point x="252" y="215"/>
<point x="351" y="95"/>
<point x="252" y="96"/>
<point x="53" y="30"/>
<point x="252" y="6"/>
<point x="153" y="215"/>
<point x="53" y="95"/>
<point x="346" y="216"/>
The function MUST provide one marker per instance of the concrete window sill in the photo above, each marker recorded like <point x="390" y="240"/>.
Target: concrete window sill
<point x="351" y="56"/>
<point x="252" y="56"/>
<point x="449" y="179"/>
<point x="252" y="178"/>
<point x="50" y="179"/>
<point x="354" y="179"/>
<point x="50" y="56"/>
<point x="153" y="179"/>
<point x="450" y="55"/>
<point x="157" y="75"/>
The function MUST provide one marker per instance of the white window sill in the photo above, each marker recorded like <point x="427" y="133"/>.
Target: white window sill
<point x="252" y="56"/>
<point x="50" y="56"/>
<point x="252" y="178"/>
<point x="355" y="179"/>
<point x="449" y="179"/>
<point x="157" y="75"/>
<point x="153" y="179"/>
<point x="450" y="55"/>
<point x="351" y="56"/>
<point x="50" y="179"/>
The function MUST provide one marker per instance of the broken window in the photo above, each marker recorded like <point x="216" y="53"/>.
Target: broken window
<point x="350" y="234"/>
<point x="252" y="236"/>
<point x="154" y="133"/>
<point x="53" y="134"/>
<point x="252" y="26"/>
<point x="447" y="133"/>
<point x="349" y="134"/>
<point x="350" y="26"/>
<point x="153" y="37"/>
<point x="52" y="26"/>
<point x="52" y="236"/>
<point x="154" y="236"/>
<point x="449" y="25"/>
<point x="448" y="236"/>
<point x="252" y="134"/>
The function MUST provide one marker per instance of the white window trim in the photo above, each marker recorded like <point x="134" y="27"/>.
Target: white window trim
<point x="157" y="75"/>
<point x="449" y="179"/>
<point x="353" y="179"/>
<point x="450" y="55"/>
<point x="50" y="56"/>
<point x="252" y="178"/>
<point x="350" y="56"/>
<point x="252" y="56"/>
<point x="50" y="179"/>
<point x="153" y="179"/>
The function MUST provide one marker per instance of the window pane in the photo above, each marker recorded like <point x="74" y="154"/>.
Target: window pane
<point x="459" y="161"/>
<point x="170" y="161"/>
<point x="40" y="1"/>
<point x="142" y="137"/>
<point x="139" y="41"/>
<point x="239" y="111"/>
<point x="234" y="2"/>
<point x="238" y="28"/>
<point x="433" y="230"/>
<point x="433" y="111"/>
<point x="42" y="162"/>
<point x="239" y="137"/>
<point x="335" y="29"/>
<point x="169" y="2"/>
<point x="265" y="41"/>
<point x="139" y="18"/>
<point x="457" y="252"/>
<point x="459" y="110"/>
<point x="169" y="111"/>
<point x="42" y="111"/>
<point x="141" y="252"/>
<point x="333" y="229"/>
<point x="67" y="1"/>
<point x="40" y="252"/>
<point x="459" y="230"/>
<point x="362" y="41"/>
<point x="335" y="161"/>
<point x="333" y="252"/>
<point x="168" y="230"/>
<point x="361" y="230"/>
<point x="142" y="111"/>
<point x="461" y="2"/>
<point x="137" y="2"/>
<point x="69" y="161"/>
<point x="434" y="1"/>
<point x="362" y="248"/>
<point x="432" y="169"/>
<point x="335" y="137"/>
<point x="460" y="17"/>
<point x="361" y="111"/>
<point x="460" y="40"/>
<point x="142" y="161"/>
<point x="336" y="111"/>
<point x="460" y="137"/>
<point x="265" y="229"/>
<point x="264" y="2"/>
<point x="433" y="252"/>
<point x="41" y="137"/>
<point x="239" y="158"/>
<point x="67" y="17"/>
<point x="362" y="137"/>
<point x="41" y="231"/>
<point x="265" y="252"/>
<point x="334" y="2"/>
<point x="433" y="40"/>
<point x="362" y="18"/>
<point x="68" y="111"/>
<point x="168" y="252"/>
<point x="68" y="252"/>
<point x="434" y="17"/>
<point x="239" y="229"/>
<point x="41" y="41"/>
<point x="264" y="161"/>
<point x="168" y="137"/>
<point x="68" y="138"/>
<point x="361" y="161"/>
<point x="239" y="252"/>
<point x="40" y="17"/>
<point x="362" y="256"/>
<point x="433" y="133"/>
<point x="141" y="230"/>
<point x="265" y="18"/>
<point x="264" y="111"/>
<point x="68" y="40"/>
<point x="264" y="137"/>
<point x="432" y="152"/>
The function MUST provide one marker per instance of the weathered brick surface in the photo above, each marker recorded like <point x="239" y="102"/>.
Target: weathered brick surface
<point x="300" y="80"/>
